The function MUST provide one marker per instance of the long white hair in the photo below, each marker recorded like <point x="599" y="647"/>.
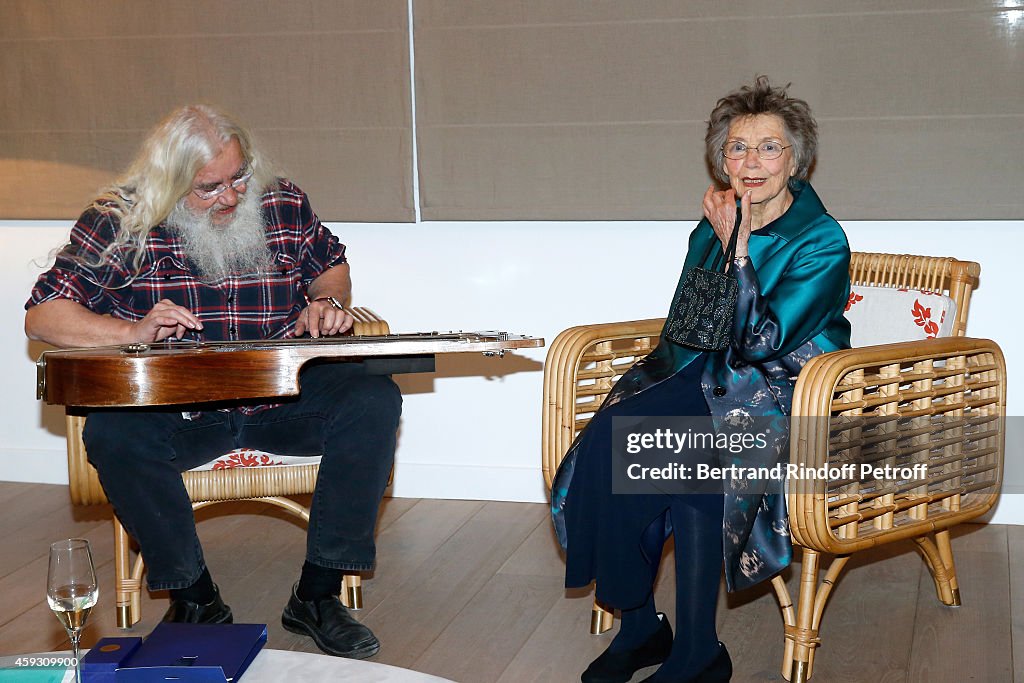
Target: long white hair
<point x="164" y="170"/>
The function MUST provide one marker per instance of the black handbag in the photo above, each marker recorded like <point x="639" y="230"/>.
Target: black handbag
<point x="705" y="303"/>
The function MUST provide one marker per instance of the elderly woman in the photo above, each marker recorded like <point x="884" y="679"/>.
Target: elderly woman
<point x="792" y="266"/>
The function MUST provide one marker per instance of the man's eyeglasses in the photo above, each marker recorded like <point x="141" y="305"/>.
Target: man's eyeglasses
<point x="734" y="149"/>
<point x="205" y="192"/>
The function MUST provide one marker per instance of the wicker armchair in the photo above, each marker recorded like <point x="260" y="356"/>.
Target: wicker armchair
<point x="269" y="484"/>
<point x="939" y="402"/>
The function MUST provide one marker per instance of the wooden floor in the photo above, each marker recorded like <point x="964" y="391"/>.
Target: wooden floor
<point x="472" y="591"/>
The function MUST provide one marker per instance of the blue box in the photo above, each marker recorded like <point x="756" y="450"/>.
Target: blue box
<point x="103" y="659"/>
<point x="194" y="653"/>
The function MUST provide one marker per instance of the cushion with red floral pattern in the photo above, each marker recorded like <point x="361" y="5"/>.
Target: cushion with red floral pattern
<point x="250" y="457"/>
<point x="883" y="315"/>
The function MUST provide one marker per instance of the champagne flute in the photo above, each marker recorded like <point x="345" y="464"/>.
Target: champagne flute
<point x="71" y="588"/>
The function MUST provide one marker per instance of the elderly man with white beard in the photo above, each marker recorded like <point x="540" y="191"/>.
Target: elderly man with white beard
<point x="199" y="239"/>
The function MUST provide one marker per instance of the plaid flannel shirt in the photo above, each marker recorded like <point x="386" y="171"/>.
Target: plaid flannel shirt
<point x="234" y="308"/>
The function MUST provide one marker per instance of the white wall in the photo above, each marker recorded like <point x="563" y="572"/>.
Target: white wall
<point x="472" y="429"/>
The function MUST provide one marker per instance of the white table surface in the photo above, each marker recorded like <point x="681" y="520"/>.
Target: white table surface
<point x="274" y="666"/>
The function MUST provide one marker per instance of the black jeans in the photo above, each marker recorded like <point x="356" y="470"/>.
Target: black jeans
<point x="348" y="416"/>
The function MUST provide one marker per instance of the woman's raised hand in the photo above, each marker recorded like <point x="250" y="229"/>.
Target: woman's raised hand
<point x="720" y="210"/>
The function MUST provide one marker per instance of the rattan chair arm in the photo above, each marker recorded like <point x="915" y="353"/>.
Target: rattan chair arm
<point x="818" y="380"/>
<point x="561" y="370"/>
<point x="929" y="379"/>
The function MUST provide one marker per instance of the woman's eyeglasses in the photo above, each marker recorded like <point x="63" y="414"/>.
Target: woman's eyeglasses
<point x="734" y="149"/>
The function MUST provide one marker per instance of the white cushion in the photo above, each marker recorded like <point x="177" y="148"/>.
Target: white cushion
<point x="883" y="315"/>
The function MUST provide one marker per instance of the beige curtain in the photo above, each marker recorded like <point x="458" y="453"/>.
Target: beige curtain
<point x="590" y="109"/>
<point x="526" y="109"/>
<point x="324" y="84"/>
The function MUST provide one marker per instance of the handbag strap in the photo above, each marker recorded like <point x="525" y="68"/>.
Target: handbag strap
<point x="730" y="249"/>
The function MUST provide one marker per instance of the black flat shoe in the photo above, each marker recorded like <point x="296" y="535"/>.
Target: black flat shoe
<point x="619" y="667"/>
<point x="188" y="612"/>
<point x="331" y="626"/>
<point x="718" y="671"/>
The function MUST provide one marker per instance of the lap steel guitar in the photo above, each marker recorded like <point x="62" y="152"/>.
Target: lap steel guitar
<point x="185" y="372"/>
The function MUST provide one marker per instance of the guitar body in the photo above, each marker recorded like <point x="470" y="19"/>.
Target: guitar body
<point x="180" y="373"/>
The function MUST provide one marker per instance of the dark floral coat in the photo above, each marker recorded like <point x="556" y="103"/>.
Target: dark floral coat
<point x="793" y="290"/>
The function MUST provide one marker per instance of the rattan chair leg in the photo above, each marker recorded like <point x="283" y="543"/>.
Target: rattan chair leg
<point x="946" y="553"/>
<point x="600" y="619"/>
<point x="126" y="589"/>
<point x="801" y="633"/>
<point x="286" y="504"/>
<point x="352" y="591"/>
<point x="788" y="620"/>
<point x="137" y="569"/>
<point x="827" y="584"/>
<point x="804" y="634"/>
<point x="939" y="570"/>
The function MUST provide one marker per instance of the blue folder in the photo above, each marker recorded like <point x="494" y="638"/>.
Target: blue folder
<point x="192" y="653"/>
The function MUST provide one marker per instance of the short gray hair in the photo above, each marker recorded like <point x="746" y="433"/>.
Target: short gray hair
<point x="754" y="100"/>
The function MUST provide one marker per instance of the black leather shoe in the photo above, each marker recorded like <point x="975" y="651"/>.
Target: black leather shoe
<point x="331" y="626"/>
<point x="718" y="671"/>
<point x="619" y="667"/>
<point x="188" y="612"/>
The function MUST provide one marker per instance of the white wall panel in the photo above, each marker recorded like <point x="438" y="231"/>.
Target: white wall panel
<point x="472" y="428"/>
